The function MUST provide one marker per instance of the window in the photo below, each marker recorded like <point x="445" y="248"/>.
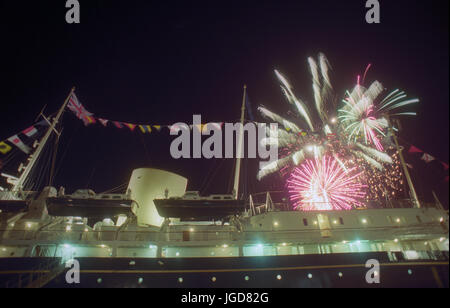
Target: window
<point x="341" y="220"/>
<point x="305" y="221"/>
<point x="186" y="236"/>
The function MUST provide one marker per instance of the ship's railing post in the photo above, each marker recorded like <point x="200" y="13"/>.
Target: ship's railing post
<point x="252" y="206"/>
<point x="241" y="250"/>
<point x="269" y="204"/>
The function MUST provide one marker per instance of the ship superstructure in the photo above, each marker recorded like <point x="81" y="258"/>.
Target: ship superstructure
<point x="158" y="235"/>
<point x="405" y="239"/>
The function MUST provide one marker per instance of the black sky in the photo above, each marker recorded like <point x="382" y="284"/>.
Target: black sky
<point x="161" y="62"/>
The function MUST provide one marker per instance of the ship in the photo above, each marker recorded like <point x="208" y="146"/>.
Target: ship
<point x="158" y="235"/>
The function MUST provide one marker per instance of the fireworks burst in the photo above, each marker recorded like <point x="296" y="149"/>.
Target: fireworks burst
<point x="351" y="140"/>
<point x="313" y="140"/>
<point x="324" y="185"/>
<point x="362" y="118"/>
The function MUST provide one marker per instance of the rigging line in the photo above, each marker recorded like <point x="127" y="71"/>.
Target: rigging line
<point x="10" y="157"/>
<point x="93" y="169"/>
<point x="45" y="166"/>
<point x="41" y="169"/>
<point x="41" y="174"/>
<point x="52" y="167"/>
<point x="115" y="188"/>
<point x="206" y="179"/>
<point x="231" y="178"/>
<point x="214" y="174"/>
<point x="55" y="150"/>
<point x="147" y="153"/>
<point x="65" y="151"/>
<point x="90" y="178"/>
<point x="31" y="181"/>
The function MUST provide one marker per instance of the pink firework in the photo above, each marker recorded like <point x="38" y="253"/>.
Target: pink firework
<point x="324" y="185"/>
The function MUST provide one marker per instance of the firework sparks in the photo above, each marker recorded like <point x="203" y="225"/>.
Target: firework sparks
<point x="350" y="144"/>
<point x="323" y="184"/>
<point x="296" y="147"/>
<point x="362" y="118"/>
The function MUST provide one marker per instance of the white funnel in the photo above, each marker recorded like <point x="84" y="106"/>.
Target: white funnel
<point x="148" y="184"/>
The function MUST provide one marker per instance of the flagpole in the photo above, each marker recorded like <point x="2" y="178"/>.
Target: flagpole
<point x="239" y="148"/>
<point x="18" y="185"/>
<point x="405" y="168"/>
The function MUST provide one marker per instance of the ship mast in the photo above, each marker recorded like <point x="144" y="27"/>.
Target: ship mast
<point x="405" y="168"/>
<point x="18" y="184"/>
<point x="239" y="148"/>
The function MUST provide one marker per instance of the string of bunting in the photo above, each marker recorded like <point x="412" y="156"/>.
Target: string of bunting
<point x="147" y="128"/>
<point x="88" y="118"/>
<point x="428" y="158"/>
<point x="17" y="141"/>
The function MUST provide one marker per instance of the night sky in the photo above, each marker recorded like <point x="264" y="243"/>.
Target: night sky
<point x="161" y="62"/>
